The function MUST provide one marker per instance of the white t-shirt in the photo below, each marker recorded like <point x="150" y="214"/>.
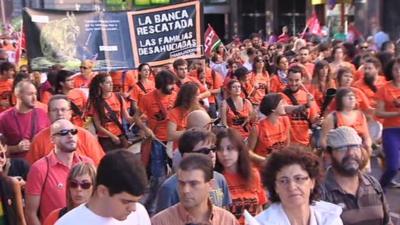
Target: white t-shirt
<point x="83" y="215"/>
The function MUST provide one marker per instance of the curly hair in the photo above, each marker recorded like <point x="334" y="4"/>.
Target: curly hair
<point x="96" y="94"/>
<point x="292" y="155"/>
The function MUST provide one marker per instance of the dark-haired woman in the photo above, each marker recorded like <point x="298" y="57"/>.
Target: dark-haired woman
<point x="292" y="177"/>
<point x="346" y="114"/>
<point x="237" y="112"/>
<point x="272" y="132"/>
<point x="244" y="182"/>
<point x="321" y="81"/>
<point x="260" y="80"/>
<point x="65" y="85"/>
<point x="186" y="102"/>
<point x="108" y="109"/>
<point x="279" y="79"/>
<point x="145" y="82"/>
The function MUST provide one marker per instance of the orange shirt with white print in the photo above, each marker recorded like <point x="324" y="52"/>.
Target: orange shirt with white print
<point x="156" y="106"/>
<point x="300" y="121"/>
<point x="249" y="196"/>
<point x="272" y="136"/>
<point x="276" y="84"/>
<point x="262" y="80"/>
<point x="390" y="95"/>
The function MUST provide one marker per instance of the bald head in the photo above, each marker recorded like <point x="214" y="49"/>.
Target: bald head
<point x="198" y="118"/>
<point x="60" y="124"/>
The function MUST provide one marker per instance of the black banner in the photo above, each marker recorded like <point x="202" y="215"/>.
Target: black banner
<point x="114" y="40"/>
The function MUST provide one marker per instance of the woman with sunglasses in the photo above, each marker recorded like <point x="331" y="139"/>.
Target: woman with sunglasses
<point x="244" y="182"/>
<point x="80" y="183"/>
<point x="237" y="112"/>
<point x="292" y="177"/>
<point x="260" y="80"/>
<point x="272" y="132"/>
<point x="108" y="109"/>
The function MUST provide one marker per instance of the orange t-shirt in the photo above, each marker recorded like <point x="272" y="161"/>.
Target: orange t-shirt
<point x="243" y="196"/>
<point x="390" y="95"/>
<point x="123" y="86"/>
<point x="138" y="92"/>
<point x="359" y="124"/>
<point x="244" y="113"/>
<point x="79" y="98"/>
<point x="6" y="94"/>
<point x="178" y="116"/>
<point x="81" y="82"/>
<point x="45" y="97"/>
<point x="299" y="121"/>
<point x="190" y="79"/>
<point x="309" y="69"/>
<point x="263" y="83"/>
<point x="271" y="136"/>
<point x="363" y="102"/>
<point x="87" y="145"/>
<point x="213" y="82"/>
<point x="114" y="102"/>
<point x="150" y="104"/>
<point x="276" y="84"/>
<point x="52" y="217"/>
<point x="370" y="94"/>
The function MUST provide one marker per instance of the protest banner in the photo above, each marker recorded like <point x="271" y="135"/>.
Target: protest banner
<point x="159" y="35"/>
<point x="115" y="40"/>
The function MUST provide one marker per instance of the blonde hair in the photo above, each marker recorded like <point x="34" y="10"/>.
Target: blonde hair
<point x="80" y="169"/>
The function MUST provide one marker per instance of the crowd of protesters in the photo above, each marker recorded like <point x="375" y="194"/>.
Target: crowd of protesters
<point x="264" y="132"/>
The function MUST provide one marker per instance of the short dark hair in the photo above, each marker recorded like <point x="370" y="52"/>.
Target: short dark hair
<point x="58" y="97"/>
<point x="292" y="155"/>
<point x="340" y="94"/>
<point x="5" y="66"/>
<point x="295" y="69"/>
<point x="192" y="137"/>
<point x="164" y="78"/>
<point x="197" y="161"/>
<point x="179" y="62"/>
<point x="61" y="76"/>
<point x="269" y="103"/>
<point x="120" y="171"/>
<point x="340" y="72"/>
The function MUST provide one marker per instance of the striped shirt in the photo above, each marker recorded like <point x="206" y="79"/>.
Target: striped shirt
<point x="177" y="215"/>
<point x="368" y="207"/>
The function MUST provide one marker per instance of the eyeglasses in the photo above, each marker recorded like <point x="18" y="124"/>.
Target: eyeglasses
<point x="347" y="148"/>
<point x="66" y="132"/>
<point x="206" y="150"/>
<point x="299" y="180"/>
<point x="3" y="155"/>
<point x="75" y="184"/>
<point x="62" y="110"/>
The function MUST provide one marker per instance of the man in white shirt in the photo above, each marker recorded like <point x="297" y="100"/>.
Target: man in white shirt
<point x="120" y="182"/>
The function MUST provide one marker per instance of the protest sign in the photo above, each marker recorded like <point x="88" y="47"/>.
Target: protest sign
<point x="159" y="35"/>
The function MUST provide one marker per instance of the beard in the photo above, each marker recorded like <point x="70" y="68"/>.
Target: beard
<point x="370" y="81"/>
<point x="348" y="167"/>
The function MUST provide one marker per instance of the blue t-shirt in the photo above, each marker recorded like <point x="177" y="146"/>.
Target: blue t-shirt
<point x="168" y="193"/>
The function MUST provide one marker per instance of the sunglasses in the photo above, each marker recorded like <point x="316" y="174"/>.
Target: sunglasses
<point x="75" y="184"/>
<point x="206" y="150"/>
<point x="66" y="132"/>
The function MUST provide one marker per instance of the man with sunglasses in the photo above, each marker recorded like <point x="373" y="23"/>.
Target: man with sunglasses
<point x="82" y="79"/>
<point x="195" y="140"/>
<point x="45" y="186"/>
<point x="359" y="194"/>
<point x="59" y="107"/>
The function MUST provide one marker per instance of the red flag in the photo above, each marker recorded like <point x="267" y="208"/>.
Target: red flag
<point x="211" y="41"/>
<point x="313" y="25"/>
